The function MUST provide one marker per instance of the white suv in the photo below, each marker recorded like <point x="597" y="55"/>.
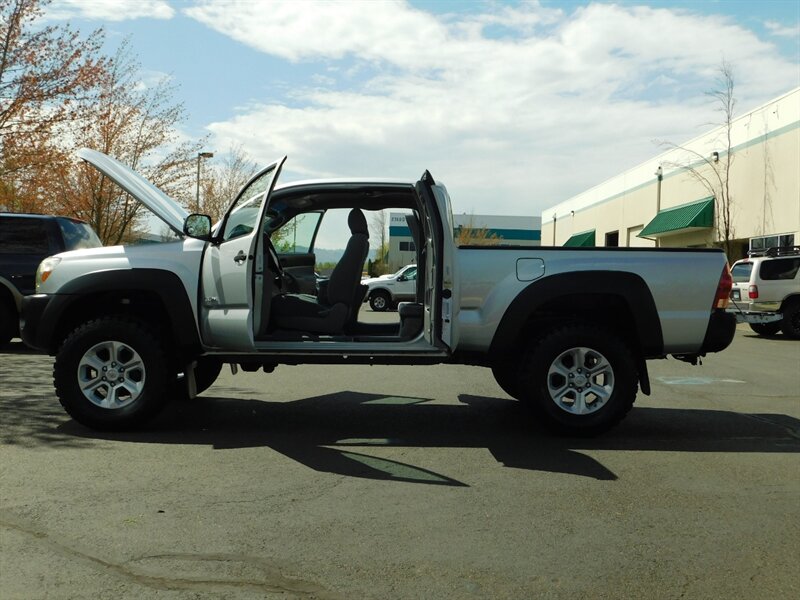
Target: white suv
<point x="765" y="284"/>
<point x="387" y="290"/>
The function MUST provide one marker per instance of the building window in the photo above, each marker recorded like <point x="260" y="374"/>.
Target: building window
<point x="407" y="247"/>
<point x="772" y="241"/>
<point x="612" y="238"/>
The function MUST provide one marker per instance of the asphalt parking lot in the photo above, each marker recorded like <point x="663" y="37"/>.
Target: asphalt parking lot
<point x="408" y="482"/>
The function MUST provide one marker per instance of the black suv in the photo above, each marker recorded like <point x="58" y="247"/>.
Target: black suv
<point x="25" y="240"/>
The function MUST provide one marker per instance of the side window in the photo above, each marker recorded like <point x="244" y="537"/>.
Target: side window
<point x="23" y="236"/>
<point x="242" y="219"/>
<point x="411" y="273"/>
<point x="243" y="215"/>
<point x="297" y="235"/>
<point x="780" y="268"/>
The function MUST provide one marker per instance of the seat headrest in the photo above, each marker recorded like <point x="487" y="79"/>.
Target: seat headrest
<point x="357" y="222"/>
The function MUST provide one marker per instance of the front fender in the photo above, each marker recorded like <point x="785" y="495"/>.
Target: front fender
<point x="48" y="318"/>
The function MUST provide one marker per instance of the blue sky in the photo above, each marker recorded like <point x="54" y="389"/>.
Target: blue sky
<point x="514" y="105"/>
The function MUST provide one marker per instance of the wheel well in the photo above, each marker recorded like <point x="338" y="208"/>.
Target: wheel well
<point x="7" y="298"/>
<point x="790" y="300"/>
<point x="145" y="306"/>
<point x="608" y="311"/>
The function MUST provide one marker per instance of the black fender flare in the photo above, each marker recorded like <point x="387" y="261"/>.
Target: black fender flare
<point x="165" y="285"/>
<point x="630" y="288"/>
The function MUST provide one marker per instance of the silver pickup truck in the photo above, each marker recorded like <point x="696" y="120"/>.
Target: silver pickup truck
<point x="567" y="331"/>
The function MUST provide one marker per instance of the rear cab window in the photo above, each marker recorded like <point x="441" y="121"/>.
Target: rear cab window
<point x="741" y="272"/>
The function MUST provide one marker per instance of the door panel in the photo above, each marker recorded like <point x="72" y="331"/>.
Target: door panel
<point x="294" y="243"/>
<point x="299" y="273"/>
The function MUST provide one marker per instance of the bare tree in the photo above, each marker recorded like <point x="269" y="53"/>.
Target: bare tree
<point x="379" y="227"/>
<point x="713" y="172"/>
<point x="221" y="182"/>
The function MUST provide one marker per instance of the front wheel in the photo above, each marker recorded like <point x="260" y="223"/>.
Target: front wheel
<point x="379" y="301"/>
<point x="579" y="380"/>
<point x="110" y="374"/>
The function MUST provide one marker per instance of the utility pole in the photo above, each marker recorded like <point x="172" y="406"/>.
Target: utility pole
<point x="199" y="156"/>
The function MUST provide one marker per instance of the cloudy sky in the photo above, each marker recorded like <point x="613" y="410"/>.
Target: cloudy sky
<point x="515" y="106"/>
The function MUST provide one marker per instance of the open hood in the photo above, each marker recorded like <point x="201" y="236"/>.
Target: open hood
<point x="164" y="207"/>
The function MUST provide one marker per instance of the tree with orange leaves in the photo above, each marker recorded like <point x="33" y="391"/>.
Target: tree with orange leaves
<point x="43" y="71"/>
<point x="136" y="123"/>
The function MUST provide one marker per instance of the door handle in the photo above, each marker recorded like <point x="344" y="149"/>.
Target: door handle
<point x="241" y="257"/>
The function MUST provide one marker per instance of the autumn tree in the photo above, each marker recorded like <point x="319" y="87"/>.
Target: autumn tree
<point x="44" y="71"/>
<point x="471" y="235"/>
<point x="136" y="124"/>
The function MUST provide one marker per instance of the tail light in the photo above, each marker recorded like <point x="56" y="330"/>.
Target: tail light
<point x="723" y="289"/>
<point x="752" y="292"/>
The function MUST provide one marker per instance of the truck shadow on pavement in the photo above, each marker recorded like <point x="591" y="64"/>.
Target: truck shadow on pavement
<point x="334" y="433"/>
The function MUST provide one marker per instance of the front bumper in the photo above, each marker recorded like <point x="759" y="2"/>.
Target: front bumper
<point x="720" y="332"/>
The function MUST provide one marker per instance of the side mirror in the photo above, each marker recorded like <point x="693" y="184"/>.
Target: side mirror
<point x="198" y="226"/>
<point x="402" y="278"/>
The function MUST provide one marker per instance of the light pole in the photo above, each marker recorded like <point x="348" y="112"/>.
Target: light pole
<point x="660" y="174"/>
<point x="199" y="156"/>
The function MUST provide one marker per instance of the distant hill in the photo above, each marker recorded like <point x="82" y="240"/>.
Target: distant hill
<point x="324" y="255"/>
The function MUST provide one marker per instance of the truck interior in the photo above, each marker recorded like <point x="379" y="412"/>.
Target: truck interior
<point x="292" y="304"/>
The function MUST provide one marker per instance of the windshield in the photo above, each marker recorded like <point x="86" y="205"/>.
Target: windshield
<point x="78" y="234"/>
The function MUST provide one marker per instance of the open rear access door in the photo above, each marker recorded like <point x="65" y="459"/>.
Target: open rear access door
<point x="441" y="263"/>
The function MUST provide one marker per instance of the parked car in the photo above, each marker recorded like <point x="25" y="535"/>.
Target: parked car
<point x="567" y="331"/>
<point x="26" y="239"/>
<point x="766" y="291"/>
<point x="385" y="291"/>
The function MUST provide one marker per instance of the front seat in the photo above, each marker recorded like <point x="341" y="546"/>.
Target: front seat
<point x="336" y="305"/>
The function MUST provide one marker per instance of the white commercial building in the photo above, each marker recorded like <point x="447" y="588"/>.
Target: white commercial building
<point x="496" y="229"/>
<point x="676" y="198"/>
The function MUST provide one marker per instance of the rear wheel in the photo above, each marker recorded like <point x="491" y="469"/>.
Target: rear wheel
<point x="791" y="320"/>
<point x="579" y="380"/>
<point x="766" y="328"/>
<point x="379" y="300"/>
<point x="110" y="374"/>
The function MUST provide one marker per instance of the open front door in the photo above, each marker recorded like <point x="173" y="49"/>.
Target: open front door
<point x="441" y="266"/>
<point x="230" y="265"/>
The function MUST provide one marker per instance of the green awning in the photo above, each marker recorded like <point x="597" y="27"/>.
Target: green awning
<point x="679" y="219"/>
<point x="581" y="240"/>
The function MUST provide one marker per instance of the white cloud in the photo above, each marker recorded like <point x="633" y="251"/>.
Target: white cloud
<point x="109" y="10"/>
<point x="782" y="30"/>
<point x="512" y="119"/>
